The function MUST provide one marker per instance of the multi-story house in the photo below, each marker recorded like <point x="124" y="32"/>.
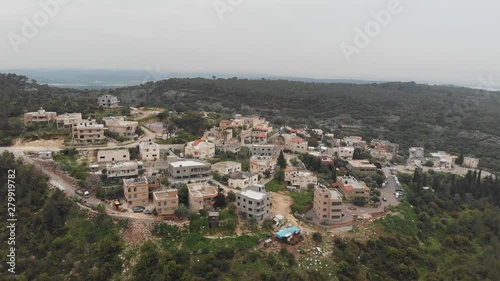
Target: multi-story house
<point x="261" y="164"/>
<point x="226" y="167"/>
<point x="242" y="179"/>
<point x="263" y="150"/>
<point x="361" y="167"/>
<point x="416" y="152"/>
<point x="352" y="188"/>
<point x="122" y="169"/>
<point x="385" y="148"/>
<point x="327" y="204"/>
<point x="116" y="155"/>
<point x="66" y="120"/>
<point x="136" y="191"/>
<point x="189" y="171"/>
<point x="344" y="152"/>
<point x="355" y="141"/>
<point x="296" y="144"/>
<point x="254" y="203"/>
<point x="107" y="101"/>
<point x="40" y="116"/>
<point x="121" y="126"/>
<point x="166" y="201"/>
<point x="199" y="149"/>
<point x="149" y="150"/>
<point x="201" y="196"/>
<point x="300" y="179"/>
<point x="88" y="131"/>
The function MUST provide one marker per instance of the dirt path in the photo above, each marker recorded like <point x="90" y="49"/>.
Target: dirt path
<point x="47" y="144"/>
<point x="281" y="205"/>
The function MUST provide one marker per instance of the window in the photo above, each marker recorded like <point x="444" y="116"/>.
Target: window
<point x="250" y="209"/>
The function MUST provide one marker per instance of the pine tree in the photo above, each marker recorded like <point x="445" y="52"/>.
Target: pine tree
<point x="281" y="160"/>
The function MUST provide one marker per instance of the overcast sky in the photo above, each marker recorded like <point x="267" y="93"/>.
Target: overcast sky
<point x="424" y="40"/>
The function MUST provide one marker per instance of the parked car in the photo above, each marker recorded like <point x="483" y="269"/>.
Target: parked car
<point x="138" y="209"/>
<point x="147" y="212"/>
<point x="384" y="199"/>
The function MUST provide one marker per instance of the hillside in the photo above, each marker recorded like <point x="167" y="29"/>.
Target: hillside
<point x="436" y="117"/>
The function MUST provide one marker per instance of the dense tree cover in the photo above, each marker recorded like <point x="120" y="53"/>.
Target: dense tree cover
<point x="55" y="240"/>
<point x="435" y="117"/>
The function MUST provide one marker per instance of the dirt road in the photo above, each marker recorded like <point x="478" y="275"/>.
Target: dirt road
<point x="281" y="205"/>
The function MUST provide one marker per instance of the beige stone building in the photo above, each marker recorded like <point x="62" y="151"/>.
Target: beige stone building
<point x="166" y="202"/>
<point x="263" y="150"/>
<point x="242" y="179"/>
<point x="136" y="191"/>
<point x="199" y="149"/>
<point x="261" y="164"/>
<point x="226" y="167"/>
<point x="66" y="120"/>
<point x="40" y="116"/>
<point x="189" y="171"/>
<point x="327" y="204"/>
<point x="122" y="169"/>
<point x="296" y="144"/>
<point x="201" y="196"/>
<point x="300" y="179"/>
<point x="121" y="126"/>
<point x="149" y="150"/>
<point x="470" y="162"/>
<point x="107" y="101"/>
<point x="362" y="167"/>
<point x="352" y="188"/>
<point x="115" y="155"/>
<point x="88" y="131"/>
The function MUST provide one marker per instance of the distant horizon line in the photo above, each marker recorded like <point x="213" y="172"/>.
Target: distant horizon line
<point x="165" y="75"/>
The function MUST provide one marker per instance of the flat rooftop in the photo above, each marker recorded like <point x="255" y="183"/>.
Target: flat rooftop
<point x="165" y="194"/>
<point x="188" y="163"/>
<point x="255" y="195"/>
<point x="135" y="181"/>
<point x="361" y="164"/>
<point x="201" y="189"/>
<point x="123" y="164"/>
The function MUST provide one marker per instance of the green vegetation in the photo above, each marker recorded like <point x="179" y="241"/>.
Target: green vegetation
<point x="275" y="186"/>
<point x="301" y="201"/>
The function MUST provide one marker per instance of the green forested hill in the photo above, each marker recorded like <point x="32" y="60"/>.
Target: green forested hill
<point x="436" y="117"/>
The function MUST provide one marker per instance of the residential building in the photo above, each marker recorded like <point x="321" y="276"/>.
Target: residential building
<point x="416" y="152"/>
<point x="166" y="201"/>
<point x="121" y="126"/>
<point x="384" y="147"/>
<point x="117" y="155"/>
<point x="123" y="169"/>
<point x="88" y="131"/>
<point x="199" y="149"/>
<point x="201" y="196"/>
<point x="226" y="167"/>
<point x="263" y="150"/>
<point x="263" y="127"/>
<point x="40" y="116"/>
<point x="296" y="144"/>
<point x="108" y="101"/>
<point x="344" y="152"/>
<point x="233" y="146"/>
<point x="149" y="150"/>
<point x="189" y="171"/>
<point x="253" y="204"/>
<point x="66" y="120"/>
<point x="261" y="164"/>
<point x="470" y="162"/>
<point x="352" y="188"/>
<point x="300" y="179"/>
<point x="258" y="137"/>
<point x="355" y="141"/>
<point x="327" y="204"/>
<point x="362" y="167"/>
<point x="242" y="179"/>
<point x="318" y="132"/>
<point x="444" y="160"/>
<point x="136" y="191"/>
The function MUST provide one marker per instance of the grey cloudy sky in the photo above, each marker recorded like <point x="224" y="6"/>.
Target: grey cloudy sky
<point x="424" y="40"/>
